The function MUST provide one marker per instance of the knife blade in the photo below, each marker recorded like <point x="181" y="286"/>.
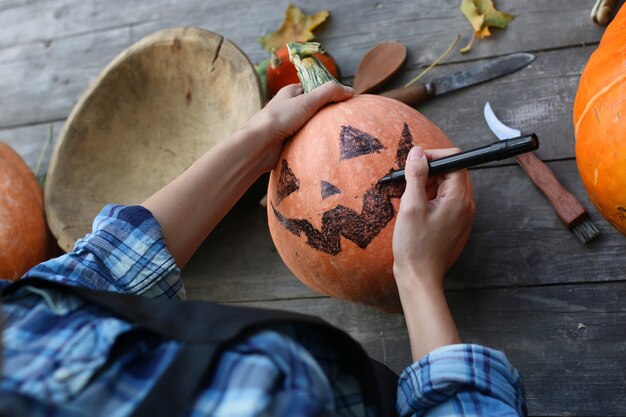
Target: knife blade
<point x="494" y="68"/>
<point x="569" y="210"/>
<point x="498" y="128"/>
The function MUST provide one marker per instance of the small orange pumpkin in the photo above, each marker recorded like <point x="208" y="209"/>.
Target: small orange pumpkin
<point x="330" y="220"/>
<point x="281" y="72"/>
<point x="24" y="238"/>
<point x="600" y="124"/>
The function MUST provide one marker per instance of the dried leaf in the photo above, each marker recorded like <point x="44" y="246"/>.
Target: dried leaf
<point x="493" y="17"/>
<point x="482" y="15"/>
<point x="297" y="27"/>
<point x="470" y="10"/>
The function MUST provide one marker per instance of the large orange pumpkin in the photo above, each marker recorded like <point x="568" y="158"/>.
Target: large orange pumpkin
<point x="598" y="125"/>
<point x="330" y="219"/>
<point x="24" y="238"/>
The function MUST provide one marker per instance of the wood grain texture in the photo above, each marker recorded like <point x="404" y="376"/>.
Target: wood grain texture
<point x="43" y="81"/>
<point x="565" y="204"/>
<point x="524" y="284"/>
<point x="60" y="46"/>
<point x="536" y="99"/>
<point x="415" y="23"/>
<point x="30" y="141"/>
<point x="567" y="341"/>
<point x="517" y="238"/>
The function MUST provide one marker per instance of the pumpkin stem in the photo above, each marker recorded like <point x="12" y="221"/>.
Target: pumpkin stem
<point x="311" y="72"/>
<point x="275" y="61"/>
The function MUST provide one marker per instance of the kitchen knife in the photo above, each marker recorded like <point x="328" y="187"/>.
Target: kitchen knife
<point x="494" y="68"/>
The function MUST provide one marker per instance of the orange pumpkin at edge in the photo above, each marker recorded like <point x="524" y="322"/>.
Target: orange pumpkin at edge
<point x="24" y="235"/>
<point x="599" y="128"/>
<point x="330" y="220"/>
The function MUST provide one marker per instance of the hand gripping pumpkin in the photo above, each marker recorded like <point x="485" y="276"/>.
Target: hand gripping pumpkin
<point x="330" y="219"/>
<point x="600" y="124"/>
<point x="24" y="238"/>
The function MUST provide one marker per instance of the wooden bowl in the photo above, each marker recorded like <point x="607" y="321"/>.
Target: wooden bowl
<point x="155" y="109"/>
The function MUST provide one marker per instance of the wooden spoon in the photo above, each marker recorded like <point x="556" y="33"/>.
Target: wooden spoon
<point x="378" y="65"/>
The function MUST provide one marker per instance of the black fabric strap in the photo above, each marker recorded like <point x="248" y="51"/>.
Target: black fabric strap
<point x="179" y="383"/>
<point x="204" y="329"/>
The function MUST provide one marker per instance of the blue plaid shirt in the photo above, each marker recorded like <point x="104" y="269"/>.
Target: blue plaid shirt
<point x="56" y="346"/>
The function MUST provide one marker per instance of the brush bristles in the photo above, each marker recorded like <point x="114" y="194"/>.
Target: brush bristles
<point x="585" y="231"/>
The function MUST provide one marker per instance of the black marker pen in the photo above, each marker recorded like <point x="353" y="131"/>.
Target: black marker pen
<point x="496" y="151"/>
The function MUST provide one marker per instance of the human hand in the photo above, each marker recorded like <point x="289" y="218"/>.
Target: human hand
<point x="433" y="221"/>
<point x="288" y="111"/>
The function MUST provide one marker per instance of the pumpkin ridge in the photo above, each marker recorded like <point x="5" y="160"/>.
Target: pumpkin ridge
<point x="595" y="97"/>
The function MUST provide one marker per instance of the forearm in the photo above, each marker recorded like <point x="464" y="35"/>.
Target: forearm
<point x="190" y="207"/>
<point x="429" y="322"/>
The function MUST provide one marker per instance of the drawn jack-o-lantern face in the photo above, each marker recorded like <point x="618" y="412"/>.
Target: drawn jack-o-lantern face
<point x="330" y="219"/>
<point x="359" y="227"/>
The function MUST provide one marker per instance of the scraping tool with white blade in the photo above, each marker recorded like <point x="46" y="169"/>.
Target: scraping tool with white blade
<point x="567" y="206"/>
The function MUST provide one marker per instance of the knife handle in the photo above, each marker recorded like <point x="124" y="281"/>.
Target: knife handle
<point x="411" y="95"/>
<point x="567" y="206"/>
<point x="602" y="11"/>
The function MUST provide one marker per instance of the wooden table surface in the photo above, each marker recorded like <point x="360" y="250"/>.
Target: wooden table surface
<point x="524" y="284"/>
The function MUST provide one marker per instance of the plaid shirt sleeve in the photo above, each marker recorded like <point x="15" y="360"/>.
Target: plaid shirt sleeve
<point x="461" y="380"/>
<point x="125" y="252"/>
<point x="66" y="367"/>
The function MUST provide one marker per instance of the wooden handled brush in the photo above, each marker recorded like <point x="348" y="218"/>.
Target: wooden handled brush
<point x="566" y="205"/>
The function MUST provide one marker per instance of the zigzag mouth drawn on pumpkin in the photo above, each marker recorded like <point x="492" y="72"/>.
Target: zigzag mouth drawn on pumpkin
<point x="360" y="228"/>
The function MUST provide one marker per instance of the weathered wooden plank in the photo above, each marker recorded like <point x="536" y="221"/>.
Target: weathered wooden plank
<point x="538" y="98"/>
<point x="44" y="86"/>
<point x="354" y="25"/>
<point x="517" y="240"/>
<point x="50" y="50"/>
<point x="29" y="142"/>
<point x="74" y="41"/>
<point x="567" y="341"/>
<point x="239" y="259"/>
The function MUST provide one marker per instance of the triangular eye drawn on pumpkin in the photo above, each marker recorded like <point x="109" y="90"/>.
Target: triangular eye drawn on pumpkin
<point x="287" y="182"/>
<point x="354" y="142"/>
<point x="360" y="228"/>
<point x="328" y="189"/>
<point x="404" y="146"/>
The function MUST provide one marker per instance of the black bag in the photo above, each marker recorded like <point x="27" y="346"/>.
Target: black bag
<point x="205" y="330"/>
